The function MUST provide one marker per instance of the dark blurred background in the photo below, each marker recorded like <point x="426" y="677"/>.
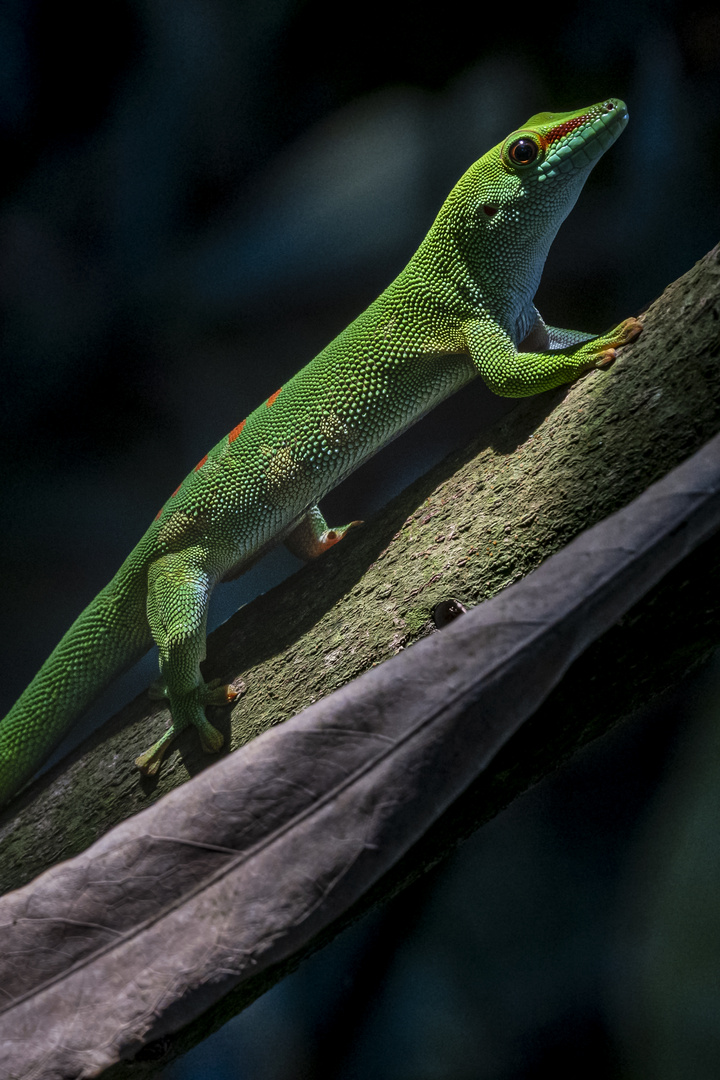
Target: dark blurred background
<point x="196" y="195"/>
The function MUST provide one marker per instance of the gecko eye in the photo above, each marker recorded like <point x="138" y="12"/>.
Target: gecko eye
<point x="523" y="151"/>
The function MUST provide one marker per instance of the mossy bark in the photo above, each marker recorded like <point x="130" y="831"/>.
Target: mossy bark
<point x="477" y="522"/>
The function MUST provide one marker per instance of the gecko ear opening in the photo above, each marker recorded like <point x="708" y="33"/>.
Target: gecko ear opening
<point x="489" y="209"/>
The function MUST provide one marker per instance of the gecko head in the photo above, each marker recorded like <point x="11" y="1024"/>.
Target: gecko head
<point x="526" y="185"/>
<point x="563" y="144"/>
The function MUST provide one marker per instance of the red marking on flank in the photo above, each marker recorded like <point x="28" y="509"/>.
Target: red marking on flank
<point x="176" y="491"/>
<point x="159" y="513"/>
<point x="563" y="129"/>
<point x="236" y="431"/>
<point x="200" y="464"/>
<point x="273" y="398"/>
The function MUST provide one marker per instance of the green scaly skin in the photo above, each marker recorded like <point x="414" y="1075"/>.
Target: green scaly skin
<point x="461" y="306"/>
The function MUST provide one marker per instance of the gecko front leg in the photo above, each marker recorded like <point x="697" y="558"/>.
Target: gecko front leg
<point x="513" y="373"/>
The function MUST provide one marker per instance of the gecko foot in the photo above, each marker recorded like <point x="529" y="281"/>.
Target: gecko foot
<point x="627" y="331"/>
<point x="219" y="693"/>
<point x="604" y="349"/>
<point x="211" y="741"/>
<point x="331" y="537"/>
<point x="216" y="692"/>
<point x="149" y="762"/>
<point x="312" y="535"/>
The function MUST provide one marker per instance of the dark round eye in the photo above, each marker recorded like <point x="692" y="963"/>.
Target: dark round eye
<point x="523" y="152"/>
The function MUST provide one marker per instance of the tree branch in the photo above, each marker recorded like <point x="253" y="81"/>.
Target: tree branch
<point x="480" y="520"/>
<point x="242" y="868"/>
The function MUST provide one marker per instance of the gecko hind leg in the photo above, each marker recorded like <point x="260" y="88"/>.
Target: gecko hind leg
<point x="312" y="535"/>
<point x="177" y="604"/>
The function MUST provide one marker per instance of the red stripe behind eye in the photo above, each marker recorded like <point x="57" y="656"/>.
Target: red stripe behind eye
<point x="273" y="398"/>
<point x="236" y="431"/>
<point x="200" y="463"/>
<point x="563" y="129"/>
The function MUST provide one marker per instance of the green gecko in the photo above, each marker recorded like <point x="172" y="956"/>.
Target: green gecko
<point x="462" y="306"/>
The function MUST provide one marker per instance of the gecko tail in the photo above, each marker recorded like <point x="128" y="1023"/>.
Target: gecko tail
<point x="106" y="639"/>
